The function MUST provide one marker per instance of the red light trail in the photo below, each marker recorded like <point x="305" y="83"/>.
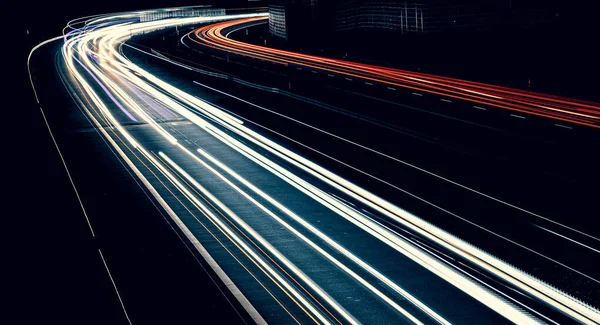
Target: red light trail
<point x="558" y="108"/>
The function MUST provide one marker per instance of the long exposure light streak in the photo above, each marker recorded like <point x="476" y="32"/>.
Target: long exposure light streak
<point x="93" y="52"/>
<point x="563" y="109"/>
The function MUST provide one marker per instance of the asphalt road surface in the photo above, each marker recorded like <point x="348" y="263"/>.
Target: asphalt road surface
<point x="317" y="190"/>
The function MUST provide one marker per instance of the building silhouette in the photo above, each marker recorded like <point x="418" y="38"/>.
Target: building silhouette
<point x="297" y="20"/>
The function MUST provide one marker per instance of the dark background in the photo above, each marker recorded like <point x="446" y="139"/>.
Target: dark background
<point x="53" y="270"/>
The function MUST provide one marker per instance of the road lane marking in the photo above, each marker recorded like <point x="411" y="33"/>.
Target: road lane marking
<point x="260" y="239"/>
<point x="368" y="83"/>
<point x="541" y="288"/>
<point x="417" y="94"/>
<point x="446" y="100"/>
<point x="158" y="82"/>
<point x="383" y="233"/>
<point x="394" y="159"/>
<point x="114" y="286"/>
<point x="87" y="219"/>
<point x="330" y="75"/>
<point x="317" y="232"/>
<point x="391" y="88"/>
<point x="527" y="248"/>
<point x="567" y="238"/>
<point x="208" y="258"/>
<point x="563" y="126"/>
<point x="517" y="116"/>
<point x="481" y="108"/>
<point x="348" y="79"/>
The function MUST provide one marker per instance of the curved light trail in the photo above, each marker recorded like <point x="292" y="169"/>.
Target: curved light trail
<point x="563" y="109"/>
<point x="155" y="128"/>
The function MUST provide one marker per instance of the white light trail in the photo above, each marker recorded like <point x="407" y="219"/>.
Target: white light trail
<point x="104" y="42"/>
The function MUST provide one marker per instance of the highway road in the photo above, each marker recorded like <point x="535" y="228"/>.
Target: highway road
<point x="296" y="212"/>
<point x="561" y="109"/>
